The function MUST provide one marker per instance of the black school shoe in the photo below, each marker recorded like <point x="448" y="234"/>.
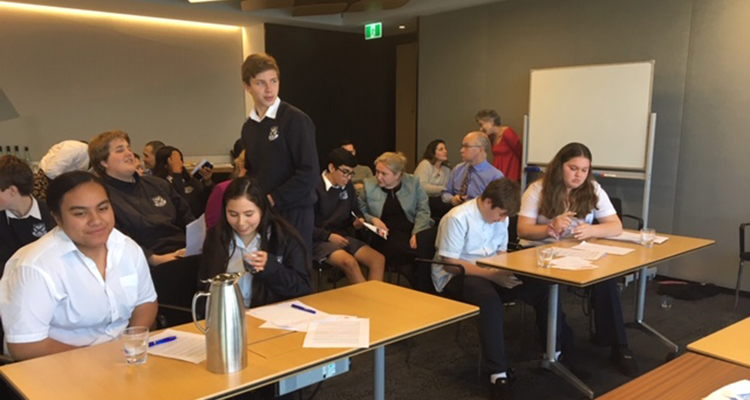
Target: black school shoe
<point x="624" y="361"/>
<point x="502" y="389"/>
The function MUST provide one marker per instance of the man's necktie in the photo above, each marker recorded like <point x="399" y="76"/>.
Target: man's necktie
<point x="465" y="183"/>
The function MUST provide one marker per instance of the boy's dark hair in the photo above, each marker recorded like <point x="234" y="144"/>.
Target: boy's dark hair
<point x="504" y="194"/>
<point x="488" y="114"/>
<point x="15" y="172"/>
<point x="346" y="142"/>
<point x="340" y="156"/>
<point x="155" y="145"/>
<point x="256" y="63"/>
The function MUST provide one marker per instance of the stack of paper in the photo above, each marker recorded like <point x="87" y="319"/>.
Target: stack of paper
<point x="734" y="391"/>
<point x="572" y="263"/>
<point x="589" y="255"/>
<point x="289" y="315"/>
<point x="635" y="237"/>
<point x="342" y="333"/>
<point x="190" y="347"/>
<point x="620" y="251"/>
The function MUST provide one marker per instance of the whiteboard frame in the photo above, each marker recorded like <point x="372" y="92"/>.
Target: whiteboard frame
<point x="644" y="135"/>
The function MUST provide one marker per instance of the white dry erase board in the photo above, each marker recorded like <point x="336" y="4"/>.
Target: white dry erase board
<point x="605" y="107"/>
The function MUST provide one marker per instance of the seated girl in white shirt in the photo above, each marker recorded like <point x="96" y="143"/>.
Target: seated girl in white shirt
<point x="82" y="283"/>
<point x="564" y="204"/>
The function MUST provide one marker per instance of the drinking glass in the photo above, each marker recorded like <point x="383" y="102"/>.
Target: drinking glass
<point x="135" y="344"/>
<point x="647" y="237"/>
<point x="544" y="256"/>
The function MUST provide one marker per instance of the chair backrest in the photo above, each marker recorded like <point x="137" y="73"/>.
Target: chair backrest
<point x="425" y="250"/>
<point x="175" y="283"/>
<point x="513" y="240"/>
<point x="617" y="204"/>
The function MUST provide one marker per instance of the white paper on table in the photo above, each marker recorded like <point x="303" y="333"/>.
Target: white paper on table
<point x="343" y="333"/>
<point x="380" y="232"/>
<point x="635" y="237"/>
<point x="284" y="316"/>
<point x="620" y="251"/>
<point x="572" y="263"/>
<point x="195" y="235"/>
<point x="590" y="255"/>
<point x="190" y="347"/>
<point x="737" y="390"/>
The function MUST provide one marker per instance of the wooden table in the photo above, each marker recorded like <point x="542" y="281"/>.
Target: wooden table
<point x="524" y="263"/>
<point x="100" y="372"/>
<point x="690" y="376"/>
<point x="731" y="344"/>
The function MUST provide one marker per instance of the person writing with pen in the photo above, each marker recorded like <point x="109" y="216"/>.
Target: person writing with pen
<point x="564" y="204"/>
<point x="251" y="236"/>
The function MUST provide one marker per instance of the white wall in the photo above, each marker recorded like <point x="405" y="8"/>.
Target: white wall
<point x="73" y="76"/>
<point x="481" y="57"/>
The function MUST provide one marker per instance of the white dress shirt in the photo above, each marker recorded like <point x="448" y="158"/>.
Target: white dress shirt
<point x="236" y="264"/>
<point x="463" y="234"/>
<point x="51" y="289"/>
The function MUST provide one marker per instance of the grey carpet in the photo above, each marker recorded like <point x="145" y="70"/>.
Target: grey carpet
<point x="443" y="367"/>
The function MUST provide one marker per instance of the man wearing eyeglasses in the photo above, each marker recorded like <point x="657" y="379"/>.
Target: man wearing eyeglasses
<point x="337" y="215"/>
<point x="469" y="178"/>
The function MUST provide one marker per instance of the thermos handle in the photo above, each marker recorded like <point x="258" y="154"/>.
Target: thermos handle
<point x="195" y="318"/>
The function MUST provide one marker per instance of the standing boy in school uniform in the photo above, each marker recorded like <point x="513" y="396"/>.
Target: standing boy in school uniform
<point x="24" y="219"/>
<point x="279" y="141"/>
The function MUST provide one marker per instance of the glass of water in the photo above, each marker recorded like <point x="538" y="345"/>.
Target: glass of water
<point x="647" y="237"/>
<point x="135" y="344"/>
<point x="544" y="256"/>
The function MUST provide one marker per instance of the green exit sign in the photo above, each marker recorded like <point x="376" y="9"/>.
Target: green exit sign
<point x="374" y="30"/>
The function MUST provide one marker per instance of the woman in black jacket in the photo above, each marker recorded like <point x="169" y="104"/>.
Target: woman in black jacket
<point x="251" y="236"/>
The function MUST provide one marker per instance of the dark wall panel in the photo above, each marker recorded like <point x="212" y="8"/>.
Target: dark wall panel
<point x="344" y="83"/>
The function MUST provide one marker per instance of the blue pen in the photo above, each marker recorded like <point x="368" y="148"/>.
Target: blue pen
<point x="298" y="307"/>
<point x="163" y="340"/>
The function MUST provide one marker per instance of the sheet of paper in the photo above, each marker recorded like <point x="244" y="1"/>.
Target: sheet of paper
<point x="572" y="263"/>
<point x="194" y="236"/>
<point x="285" y="316"/>
<point x="343" y="333"/>
<point x="733" y="391"/>
<point x="620" y="251"/>
<point x="380" y="232"/>
<point x="635" y="237"/>
<point x="190" y="347"/>
<point x="590" y="255"/>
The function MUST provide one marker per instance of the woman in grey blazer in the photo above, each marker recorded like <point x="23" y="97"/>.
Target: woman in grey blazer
<point x="395" y="202"/>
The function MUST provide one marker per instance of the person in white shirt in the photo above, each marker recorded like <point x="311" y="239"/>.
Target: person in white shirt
<point x="82" y="283"/>
<point x="564" y="204"/>
<point x="477" y="229"/>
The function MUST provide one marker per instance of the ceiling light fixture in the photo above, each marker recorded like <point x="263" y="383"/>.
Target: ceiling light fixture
<point x="104" y="15"/>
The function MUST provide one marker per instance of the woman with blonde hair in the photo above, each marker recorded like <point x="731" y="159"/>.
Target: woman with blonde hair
<point x="395" y="202"/>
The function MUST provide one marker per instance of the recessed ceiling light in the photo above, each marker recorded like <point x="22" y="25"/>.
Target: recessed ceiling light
<point x="402" y="27"/>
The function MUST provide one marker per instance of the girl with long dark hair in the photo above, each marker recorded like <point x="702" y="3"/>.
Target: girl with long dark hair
<point x="564" y="204"/>
<point x="251" y="236"/>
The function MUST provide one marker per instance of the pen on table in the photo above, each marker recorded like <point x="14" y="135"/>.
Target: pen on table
<point x="162" y="340"/>
<point x="298" y="307"/>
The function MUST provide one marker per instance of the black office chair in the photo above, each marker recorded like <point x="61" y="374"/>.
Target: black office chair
<point x="175" y="283"/>
<point x="617" y="204"/>
<point x="744" y="256"/>
<point x="334" y="274"/>
<point x="513" y="239"/>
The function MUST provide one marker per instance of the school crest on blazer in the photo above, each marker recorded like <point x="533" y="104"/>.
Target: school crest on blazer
<point x="159" y="201"/>
<point x="274" y="133"/>
<point x="38" y="230"/>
